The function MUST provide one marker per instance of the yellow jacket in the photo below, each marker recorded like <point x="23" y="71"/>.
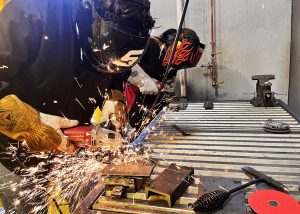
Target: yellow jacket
<point x="2" y="3"/>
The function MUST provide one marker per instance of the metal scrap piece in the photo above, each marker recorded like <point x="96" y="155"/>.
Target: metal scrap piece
<point x="178" y="104"/>
<point x="128" y="170"/>
<point x="170" y="184"/>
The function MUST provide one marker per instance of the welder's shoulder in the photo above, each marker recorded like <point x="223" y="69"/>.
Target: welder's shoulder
<point x="37" y="8"/>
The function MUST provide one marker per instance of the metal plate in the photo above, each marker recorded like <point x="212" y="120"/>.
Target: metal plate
<point x="137" y="206"/>
<point x="128" y="170"/>
<point x="171" y="183"/>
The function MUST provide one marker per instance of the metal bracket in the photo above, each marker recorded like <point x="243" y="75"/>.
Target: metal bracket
<point x="170" y="184"/>
<point x="178" y="104"/>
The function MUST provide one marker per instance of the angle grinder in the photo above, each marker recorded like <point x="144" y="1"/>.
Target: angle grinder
<point x="95" y="137"/>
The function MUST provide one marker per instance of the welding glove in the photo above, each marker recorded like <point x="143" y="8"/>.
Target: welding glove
<point x="143" y="81"/>
<point x="59" y="123"/>
<point x="114" y="110"/>
<point x="21" y="122"/>
<point x="169" y="86"/>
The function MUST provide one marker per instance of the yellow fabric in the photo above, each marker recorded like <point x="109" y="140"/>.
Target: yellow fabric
<point x="21" y="122"/>
<point x="96" y="116"/>
<point x="62" y="205"/>
<point x="1" y="204"/>
<point x="2" y="3"/>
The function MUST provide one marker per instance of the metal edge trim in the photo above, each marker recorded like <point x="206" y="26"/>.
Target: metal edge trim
<point x="288" y="109"/>
<point x="147" y="130"/>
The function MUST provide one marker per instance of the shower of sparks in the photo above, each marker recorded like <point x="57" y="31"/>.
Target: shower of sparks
<point x="92" y="100"/>
<point x="105" y="46"/>
<point x="64" y="116"/>
<point x="67" y="176"/>
<point x="3" y="67"/>
<point x="76" y="99"/>
<point x="100" y="93"/>
<point x="80" y="86"/>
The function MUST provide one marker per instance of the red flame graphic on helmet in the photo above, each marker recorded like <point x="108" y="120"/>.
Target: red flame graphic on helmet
<point x="186" y="54"/>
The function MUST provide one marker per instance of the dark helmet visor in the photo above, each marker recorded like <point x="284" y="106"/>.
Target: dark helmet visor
<point x="116" y="47"/>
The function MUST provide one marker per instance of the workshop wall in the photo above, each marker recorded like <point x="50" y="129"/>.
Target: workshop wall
<point x="294" y="98"/>
<point x="255" y="36"/>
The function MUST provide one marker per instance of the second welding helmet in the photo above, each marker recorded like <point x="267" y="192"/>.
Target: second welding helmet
<point x="188" y="52"/>
<point x="120" y="34"/>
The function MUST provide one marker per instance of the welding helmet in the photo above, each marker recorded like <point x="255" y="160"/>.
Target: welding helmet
<point x="119" y="35"/>
<point x="188" y="52"/>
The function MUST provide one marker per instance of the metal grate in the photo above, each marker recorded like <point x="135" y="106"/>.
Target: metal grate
<point x="225" y="139"/>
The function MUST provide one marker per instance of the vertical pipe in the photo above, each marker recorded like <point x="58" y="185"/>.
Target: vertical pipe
<point x="181" y="73"/>
<point x="186" y="4"/>
<point x="213" y="64"/>
<point x="212" y="24"/>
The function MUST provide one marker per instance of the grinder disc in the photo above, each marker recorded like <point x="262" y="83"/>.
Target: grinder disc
<point x="278" y="127"/>
<point x="273" y="202"/>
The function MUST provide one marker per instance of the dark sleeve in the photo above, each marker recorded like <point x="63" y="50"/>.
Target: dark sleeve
<point x="152" y="60"/>
<point x="20" y="36"/>
<point x="119" y="80"/>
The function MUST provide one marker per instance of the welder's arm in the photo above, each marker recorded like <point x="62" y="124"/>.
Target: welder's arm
<point x="143" y="81"/>
<point x="114" y="110"/>
<point x="21" y="122"/>
<point x="20" y="36"/>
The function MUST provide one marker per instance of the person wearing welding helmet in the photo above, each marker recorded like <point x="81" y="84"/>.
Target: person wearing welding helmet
<point x="145" y="78"/>
<point x="61" y="59"/>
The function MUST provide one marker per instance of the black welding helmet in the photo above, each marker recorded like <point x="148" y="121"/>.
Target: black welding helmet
<point x="119" y="34"/>
<point x="188" y="52"/>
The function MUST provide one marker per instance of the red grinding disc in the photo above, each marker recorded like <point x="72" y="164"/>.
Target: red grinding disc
<point x="273" y="202"/>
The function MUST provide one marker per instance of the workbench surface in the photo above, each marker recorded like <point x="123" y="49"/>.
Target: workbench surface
<point x="222" y="141"/>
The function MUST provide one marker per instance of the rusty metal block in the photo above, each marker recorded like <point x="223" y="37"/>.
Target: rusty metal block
<point x="118" y="192"/>
<point x="128" y="183"/>
<point x="128" y="170"/>
<point x="170" y="184"/>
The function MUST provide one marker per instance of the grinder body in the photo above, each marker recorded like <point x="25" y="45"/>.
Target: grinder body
<point x="94" y="137"/>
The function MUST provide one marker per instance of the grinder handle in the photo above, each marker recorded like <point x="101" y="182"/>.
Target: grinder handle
<point x="267" y="179"/>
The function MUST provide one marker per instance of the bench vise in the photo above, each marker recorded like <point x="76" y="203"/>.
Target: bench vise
<point x="264" y="97"/>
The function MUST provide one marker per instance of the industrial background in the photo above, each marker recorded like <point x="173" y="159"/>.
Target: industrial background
<point x="203" y="148"/>
<point x="256" y="37"/>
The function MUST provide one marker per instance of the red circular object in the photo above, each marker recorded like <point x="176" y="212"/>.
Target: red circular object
<point x="273" y="202"/>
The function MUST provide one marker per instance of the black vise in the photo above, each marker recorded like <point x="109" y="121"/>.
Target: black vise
<point x="264" y="97"/>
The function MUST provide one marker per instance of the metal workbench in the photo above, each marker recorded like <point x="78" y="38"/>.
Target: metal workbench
<point x="222" y="141"/>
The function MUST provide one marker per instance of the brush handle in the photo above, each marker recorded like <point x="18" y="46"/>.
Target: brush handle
<point x="257" y="180"/>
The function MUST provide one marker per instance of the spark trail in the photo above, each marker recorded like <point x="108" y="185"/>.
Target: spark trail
<point x="67" y="176"/>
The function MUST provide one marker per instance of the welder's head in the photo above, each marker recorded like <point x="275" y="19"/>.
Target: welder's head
<point x="120" y="33"/>
<point x="188" y="51"/>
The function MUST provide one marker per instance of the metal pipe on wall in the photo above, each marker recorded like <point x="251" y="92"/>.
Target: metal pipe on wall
<point x="181" y="73"/>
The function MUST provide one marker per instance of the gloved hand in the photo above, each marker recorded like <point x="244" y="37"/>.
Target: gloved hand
<point x="114" y="110"/>
<point x="20" y="121"/>
<point x="170" y="85"/>
<point x="143" y="81"/>
<point x="58" y="123"/>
